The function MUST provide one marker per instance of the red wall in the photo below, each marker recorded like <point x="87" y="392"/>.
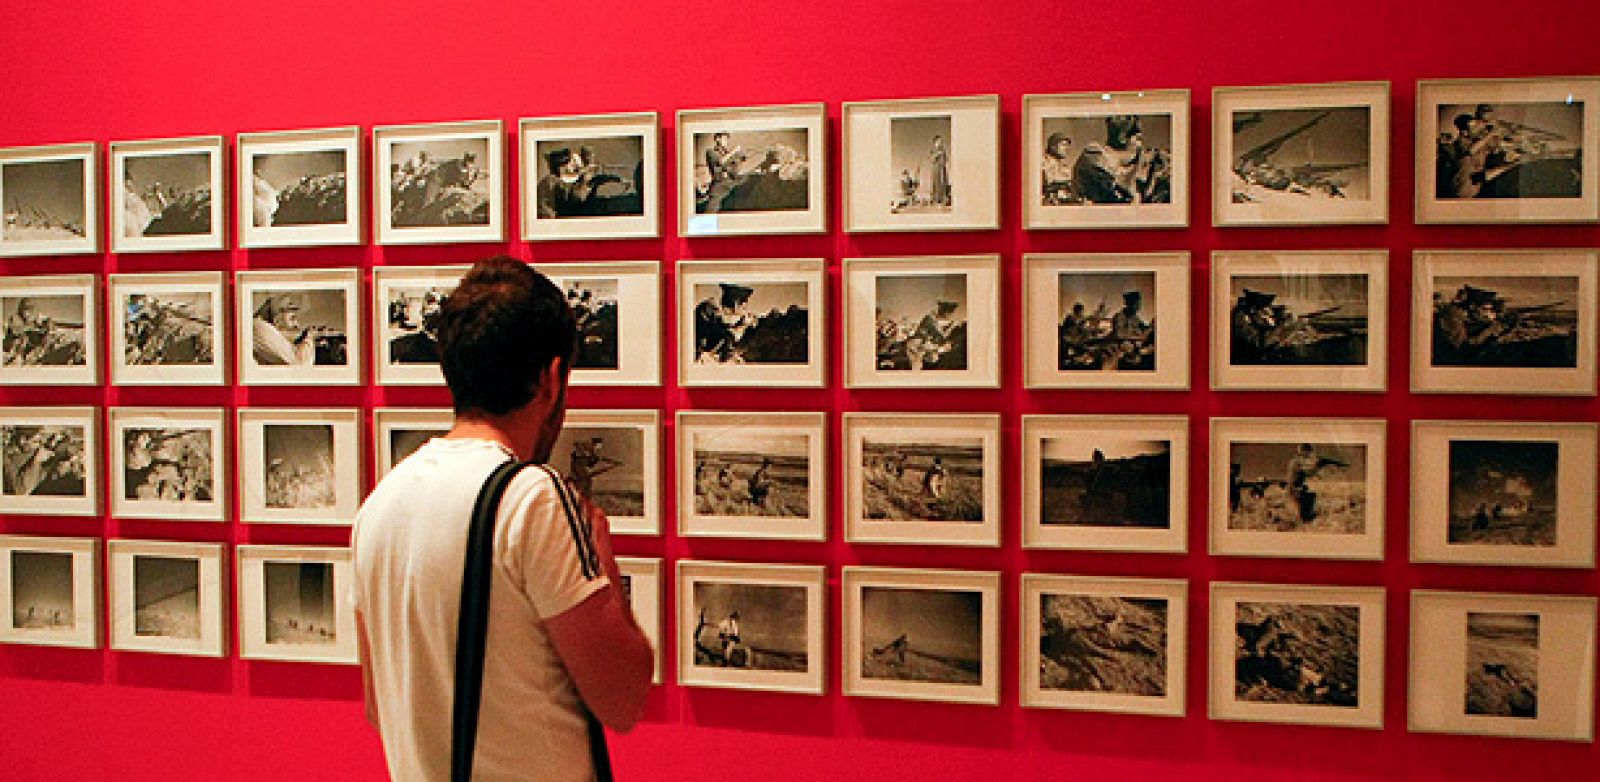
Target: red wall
<point x="165" y="68"/>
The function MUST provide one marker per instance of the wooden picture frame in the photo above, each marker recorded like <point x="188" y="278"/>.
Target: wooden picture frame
<point x="1105" y="483"/>
<point x="427" y="190"/>
<point x="166" y="597"/>
<point x="877" y="647"/>
<point x="54" y="193"/>
<point x="778" y="186"/>
<point x="891" y="497"/>
<point x="1052" y="197"/>
<point x="50" y="591"/>
<point x="615" y="196"/>
<point x="1112" y="345"/>
<point x="168" y="463"/>
<point x="885" y="145"/>
<point x="740" y="649"/>
<point x="304" y="185"/>
<point x="1142" y="668"/>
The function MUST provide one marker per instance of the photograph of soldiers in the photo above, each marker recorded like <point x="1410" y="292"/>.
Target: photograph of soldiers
<point x="1302" y="154"/>
<point x="298" y="328"/>
<point x="409" y="325"/>
<point x="439" y="182"/>
<point x="1510" y="150"/>
<point x="755" y="323"/>
<point x="1504" y="492"/>
<point x="298" y="459"/>
<point x="299" y="188"/>
<point x="168" y="465"/>
<point x="926" y="635"/>
<point x="43" y="200"/>
<point x="919" y="164"/>
<point x="1103" y="325"/>
<point x="1298" y="320"/>
<point x="169" y="328"/>
<point x="1502" y="664"/>
<point x="594" y="306"/>
<point x="43" y="331"/>
<point x="41" y="590"/>
<point x="921" y="322"/>
<point x="758" y="627"/>
<point x="1095" y="643"/>
<point x="1505" y="321"/>
<point x="752" y="171"/>
<point x="1115" y="159"/>
<point x="752" y="473"/>
<point x="166" y="195"/>
<point x="42" y="461"/>
<point x="1301" y="654"/>
<point x="604" y="463"/>
<point x="908" y="480"/>
<point x="299" y="603"/>
<point x="166" y="597"/>
<point x="590" y="177"/>
<point x="1105" y="482"/>
<point x="1298" y="487"/>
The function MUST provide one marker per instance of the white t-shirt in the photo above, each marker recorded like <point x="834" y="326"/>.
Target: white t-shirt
<point x="409" y="543"/>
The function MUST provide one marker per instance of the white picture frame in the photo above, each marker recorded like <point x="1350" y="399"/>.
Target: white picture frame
<point x="642" y="586"/>
<point x="404" y="352"/>
<point x="168" y="195"/>
<point x="1136" y="498"/>
<point x="299" y="465"/>
<point x="1471" y="665"/>
<point x="726" y="309"/>
<point x="46" y="600"/>
<point x="398" y="432"/>
<point x="776" y="135"/>
<point x="168" y="463"/>
<point x="631" y="291"/>
<point x="166" y="597"/>
<point x="1480" y="493"/>
<point x="957" y="295"/>
<point x="1262" y="514"/>
<point x="59" y="342"/>
<point x="752" y="596"/>
<point x="1337" y="340"/>
<point x="607" y="211"/>
<point x="272" y="627"/>
<point x="50" y="459"/>
<point x="1084" y="353"/>
<point x="319" y="169"/>
<point x="1252" y="184"/>
<point x="1557" y="109"/>
<point x="408" y="189"/>
<point x="959" y="141"/>
<point x="54" y="191"/>
<point x="1464" y="338"/>
<point x="1258" y="631"/>
<point x="723" y="469"/>
<point x="1141" y="666"/>
<point x="168" y="329"/>
<point x="882" y="501"/>
<point x="877" y="604"/>
<point x="1087" y="118"/>
<point x="301" y="327"/>
<point x="622" y="475"/>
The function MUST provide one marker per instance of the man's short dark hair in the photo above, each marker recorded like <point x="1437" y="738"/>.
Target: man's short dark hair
<point x="497" y="331"/>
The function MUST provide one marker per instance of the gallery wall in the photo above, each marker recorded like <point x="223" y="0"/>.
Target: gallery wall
<point x="104" y="72"/>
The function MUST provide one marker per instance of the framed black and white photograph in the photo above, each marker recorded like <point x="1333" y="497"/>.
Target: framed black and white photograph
<point x="1503" y="493"/>
<point x="442" y="182"/>
<point x="930" y="478"/>
<point x="1297" y="487"/>
<point x="752" y="475"/>
<point x="292" y="604"/>
<point x="1106" y="321"/>
<point x="168" y="195"/>
<point x="752" y="627"/>
<point x="405" y="302"/>
<point x="641" y="584"/>
<point x="1310" y="655"/>
<point x="1300" y="154"/>
<point x="399" y="431"/>
<point x="1104" y="644"/>
<point x="1300" y="321"/>
<point x="304" y="188"/>
<point x="752" y="323"/>
<point x="299" y="465"/>
<point x="166" y="597"/>
<point x="52" y="330"/>
<point x="304" y="327"/>
<point x="1503" y="321"/>
<point x="922" y="322"/>
<point x="931" y="635"/>
<point x="610" y="300"/>
<point x="168" y="329"/>
<point x="50" y="199"/>
<point x="1105" y="483"/>
<point x="50" y="461"/>
<point x="1106" y="160"/>
<point x="1508" y="150"/>
<point x="50" y="591"/>
<point x="168" y="463"/>
<point x="591" y="177"/>
<point x="1513" y="665"/>
<point x="753" y="170"/>
<point x="614" y="458"/>
<point x="923" y="164"/>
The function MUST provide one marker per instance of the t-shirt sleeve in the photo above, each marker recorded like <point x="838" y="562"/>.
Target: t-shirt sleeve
<point x="549" y="545"/>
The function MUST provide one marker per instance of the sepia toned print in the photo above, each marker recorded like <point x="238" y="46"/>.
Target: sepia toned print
<point x="1105" y="483"/>
<point x="750" y="626"/>
<point x="167" y="195"/>
<point x="590" y="177"/>
<point x="1502" y="665"/>
<point x="42" y="591"/>
<point x="299" y="464"/>
<point x="907" y="480"/>
<point x="752" y="171"/>
<point x="299" y="188"/>
<point x="922" y="635"/>
<point x="1505" y="321"/>
<point x="1115" y="159"/>
<point x="44" y="200"/>
<point x="1312" y="487"/>
<point x="594" y="307"/>
<point x="1114" y="336"/>
<point x="1299" y="320"/>
<point x="299" y="328"/>
<point x="1504" y="492"/>
<point x="299" y="602"/>
<point x="919" y="152"/>
<point x="168" y="465"/>
<point x="43" y="461"/>
<point x="1297" y="654"/>
<point x="752" y="323"/>
<point x="1098" y="643"/>
<point x="921" y="322"/>
<point x="171" y="328"/>
<point x="409" y="325"/>
<point x="740" y="472"/>
<point x="605" y="464"/>
<point x="166" y="597"/>
<point x="436" y="183"/>
<point x="1510" y="150"/>
<point x="44" y="331"/>
<point x="1302" y="155"/>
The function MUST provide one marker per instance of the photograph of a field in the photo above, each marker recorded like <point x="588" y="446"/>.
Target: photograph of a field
<point x="1503" y="664"/>
<point x="1316" y="488"/>
<point x="166" y="599"/>
<point x="1297" y="653"/>
<point x="41" y="590"/>
<point x="1503" y="492"/>
<point x="924" y="635"/>
<point x="923" y="481"/>
<point x="750" y="472"/>
<point x="753" y="626"/>
<point x="606" y="463"/>
<point x="1097" y="643"/>
<point x="1105" y="482"/>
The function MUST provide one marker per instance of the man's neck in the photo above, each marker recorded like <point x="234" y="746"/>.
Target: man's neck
<point x="498" y="429"/>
